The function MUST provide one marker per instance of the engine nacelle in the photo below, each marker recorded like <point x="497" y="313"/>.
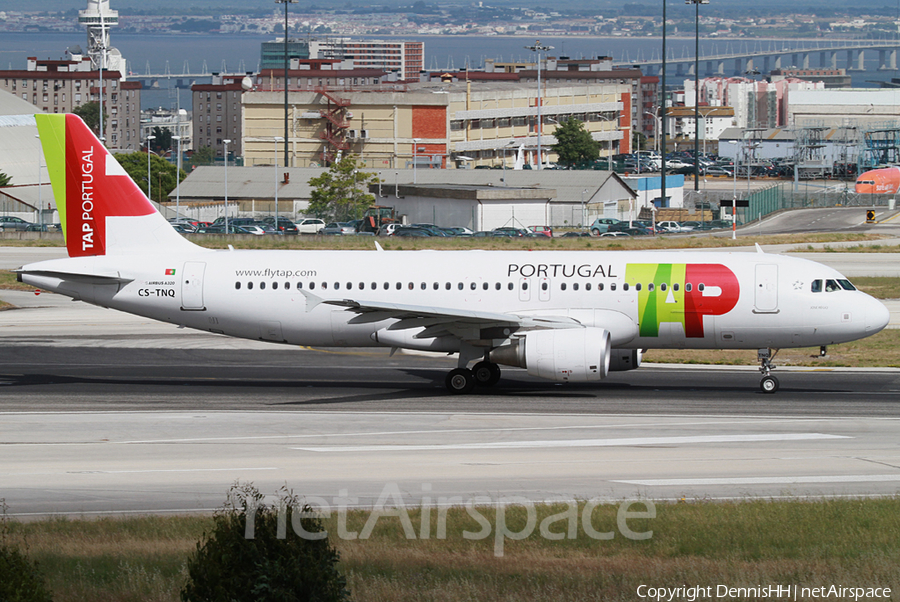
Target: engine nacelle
<point x="567" y="355"/>
<point x="621" y="360"/>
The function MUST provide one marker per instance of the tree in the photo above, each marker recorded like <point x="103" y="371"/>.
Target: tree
<point x="90" y="114"/>
<point x="574" y="144"/>
<point x="162" y="173"/>
<point x="204" y="155"/>
<point x="266" y="559"/>
<point x="340" y="193"/>
<point x="4" y="179"/>
<point x="162" y="141"/>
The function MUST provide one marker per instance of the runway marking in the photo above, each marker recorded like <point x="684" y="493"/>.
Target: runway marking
<point x="628" y="441"/>
<point x="872" y="478"/>
<point x="163" y="470"/>
<point x="643" y="425"/>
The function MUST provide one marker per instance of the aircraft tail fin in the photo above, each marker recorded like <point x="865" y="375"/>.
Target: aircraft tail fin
<point x="101" y="209"/>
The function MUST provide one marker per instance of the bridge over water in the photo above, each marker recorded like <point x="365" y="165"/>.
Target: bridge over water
<point x="849" y="55"/>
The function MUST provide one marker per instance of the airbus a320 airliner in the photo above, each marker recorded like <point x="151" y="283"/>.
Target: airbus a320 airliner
<point x="570" y="316"/>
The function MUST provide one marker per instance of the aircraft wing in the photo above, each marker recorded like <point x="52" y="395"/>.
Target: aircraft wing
<point x="439" y="321"/>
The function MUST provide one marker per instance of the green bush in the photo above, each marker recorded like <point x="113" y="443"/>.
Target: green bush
<point x="20" y="579"/>
<point x="227" y="566"/>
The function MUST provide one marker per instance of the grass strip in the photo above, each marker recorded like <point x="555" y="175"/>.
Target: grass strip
<point x="742" y="544"/>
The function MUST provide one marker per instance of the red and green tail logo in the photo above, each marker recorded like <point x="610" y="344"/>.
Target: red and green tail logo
<point x="681" y="294"/>
<point x="88" y="183"/>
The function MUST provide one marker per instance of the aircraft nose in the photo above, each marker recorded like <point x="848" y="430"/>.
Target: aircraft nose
<point x="877" y="316"/>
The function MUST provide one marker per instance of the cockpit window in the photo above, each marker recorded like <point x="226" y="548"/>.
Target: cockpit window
<point x="816" y="286"/>
<point x="845" y="284"/>
<point x="831" y="286"/>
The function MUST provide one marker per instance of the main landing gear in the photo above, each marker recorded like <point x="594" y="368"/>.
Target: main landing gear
<point x="768" y="384"/>
<point x="483" y="374"/>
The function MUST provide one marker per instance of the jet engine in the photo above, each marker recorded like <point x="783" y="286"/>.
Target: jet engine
<point x="567" y="355"/>
<point x="621" y="360"/>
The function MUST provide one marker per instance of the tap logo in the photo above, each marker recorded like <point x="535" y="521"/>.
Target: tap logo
<point x="681" y="293"/>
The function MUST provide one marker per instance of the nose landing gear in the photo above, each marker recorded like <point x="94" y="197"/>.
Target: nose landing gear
<point x="768" y="384"/>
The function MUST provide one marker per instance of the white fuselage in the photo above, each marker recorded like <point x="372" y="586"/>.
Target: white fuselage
<point x="276" y="295"/>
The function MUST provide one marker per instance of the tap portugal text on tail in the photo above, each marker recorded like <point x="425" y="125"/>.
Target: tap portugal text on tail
<point x="570" y="316"/>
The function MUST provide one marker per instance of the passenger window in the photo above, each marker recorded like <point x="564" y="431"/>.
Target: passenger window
<point x="399" y="286"/>
<point x="337" y="286"/>
<point x="423" y="286"/>
<point x="675" y="287"/>
<point x="287" y="286"/>
<point x="374" y="285"/>
<point x="650" y="287"/>
<point x="459" y="286"/>
<point x="831" y="286"/>
<point x="436" y="286"/>
<point x="625" y="287"/>
<point x="250" y="286"/>
<point x="410" y="286"/>
<point x="562" y="286"/>
<point x="612" y="286"/>
<point x="349" y="286"/>
<point x="472" y="286"/>
<point x="543" y="286"/>
<point x="637" y="286"/>
<point x="575" y="287"/>
<point x="447" y="286"/>
<point x="509" y="286"/>
<point x="484" y="286"/>
<point x="600" y="286"/>
<point x="274" y="286"/>
<point x="524" y="286"/>
<point x="687" y="287"/>
<point x="662" y="287"/>
<point x="312" y="285"/>
<point x="324" y="285"/>
<point x="816" y="286"/>
<point x="587" y="286"/>
<point x="299" y="285"/>
<point x="262" y="286"/>
<point x="362" y="285"/>
<point x="700" y="287"/>
<point x="497" y="286"/>
<point x="386" y="286"/>
<point x="237" y="286"/>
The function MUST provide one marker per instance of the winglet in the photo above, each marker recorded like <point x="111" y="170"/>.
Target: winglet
<point x="311" y="300"/>
<point x="378" y="246"/>
<point x="758" y="248"/>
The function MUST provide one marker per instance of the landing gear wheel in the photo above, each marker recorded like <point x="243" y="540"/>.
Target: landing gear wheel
<point x="769" y="384"/>
<point x="460" y="381"/>
<point x="487" y="374"/>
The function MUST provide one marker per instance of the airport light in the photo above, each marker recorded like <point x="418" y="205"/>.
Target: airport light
<point x="540" y="126"/>
<point x="696" y="4"/>
<point x="277" y="140"/>
<point x="226" y="142"/>
<point x="149" y="138"/>
<point x="286" y="78"/>
<point x="178" y="174"/>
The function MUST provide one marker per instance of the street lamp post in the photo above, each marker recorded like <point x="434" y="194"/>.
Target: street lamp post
<point x="178" y="175"/>
<point x="286" y="78"/>
<point x="539" y="48"/>
<point x="226" y="142"/>
<point x="40" y="185"/>
<point x="277" y="140"/>
<point x="696" y="4"/>
<point x="149" y="138"/>
<point x="734" y="191"/>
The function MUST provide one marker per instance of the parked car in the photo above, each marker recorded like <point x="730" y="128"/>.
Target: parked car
<point x="412" y="232"/>
<point x="387" y="229"/>
<point x="575" y="234"/>
<point x="458" y="231"/>
<point x="715" y="170"/>
<point x="338" y="228"/>
<point x="285" y="226"/>
<point x="542" y="231"/>
<point x="11" y="222"/>
<point x="613" y="234"/>
<point x="510" y="231"/>
<point x="310" y="225"/>
<point x="668" y="226"/>
<point x="602" y="224"/>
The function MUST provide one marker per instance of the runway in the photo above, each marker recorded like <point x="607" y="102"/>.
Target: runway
<point x="101" y="412"/>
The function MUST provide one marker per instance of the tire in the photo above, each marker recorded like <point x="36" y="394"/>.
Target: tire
<point x="595" y="232"/>
<point x="486" y="374"/>
<point x="460" y="381"/>
<point x="769" y="384"/>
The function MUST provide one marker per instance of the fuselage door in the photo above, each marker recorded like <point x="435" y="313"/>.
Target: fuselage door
<point x="766" y="299"/>
<point x="192" y="285"/>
